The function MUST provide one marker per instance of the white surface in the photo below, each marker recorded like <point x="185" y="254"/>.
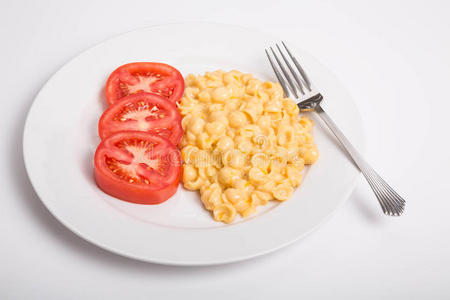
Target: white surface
<point x="401" y="46"/>
<point x="61" y="167"/>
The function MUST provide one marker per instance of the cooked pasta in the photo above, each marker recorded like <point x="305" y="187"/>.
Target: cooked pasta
<point x="244" y="143"/>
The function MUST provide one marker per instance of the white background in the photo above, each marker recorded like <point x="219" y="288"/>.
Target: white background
<point x="394" y="57"/>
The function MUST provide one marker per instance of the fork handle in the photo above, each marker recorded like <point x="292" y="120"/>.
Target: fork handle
<point x="391" y="203"/>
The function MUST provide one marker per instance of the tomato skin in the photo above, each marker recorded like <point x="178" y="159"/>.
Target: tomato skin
<point x="139" y="193"/>
<point x="125" y="73"/>
<point x="134" y="194"/>
<point x="109" y="123"/>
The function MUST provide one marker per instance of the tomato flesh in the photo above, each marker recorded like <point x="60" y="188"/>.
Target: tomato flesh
<point x="137" y="167"/>
<point x="142" y="112"/>
<point x="149" y="77"/>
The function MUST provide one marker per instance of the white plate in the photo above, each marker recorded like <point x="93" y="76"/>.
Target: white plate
<point x="61" y="136"/>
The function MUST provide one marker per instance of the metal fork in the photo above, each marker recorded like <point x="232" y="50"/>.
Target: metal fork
<point x="297" y="84"/>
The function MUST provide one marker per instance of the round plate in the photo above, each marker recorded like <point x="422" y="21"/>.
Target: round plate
<point x="61" y="136"/>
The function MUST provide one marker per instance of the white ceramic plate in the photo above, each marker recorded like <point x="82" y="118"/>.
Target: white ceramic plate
<point x="61" y="136"/>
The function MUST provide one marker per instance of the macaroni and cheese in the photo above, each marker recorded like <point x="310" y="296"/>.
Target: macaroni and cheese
<point x="244" y="144"/>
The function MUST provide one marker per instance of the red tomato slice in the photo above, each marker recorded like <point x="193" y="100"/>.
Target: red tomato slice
<point x="137" y="167"/>
<point x="154" y="78"/>
<point x="142" y="112"/>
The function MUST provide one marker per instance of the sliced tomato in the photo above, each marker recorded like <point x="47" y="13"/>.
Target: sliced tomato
<point x="137" y="167"/>
<point x="142" y="112"/>
<point x="150" y="77"/>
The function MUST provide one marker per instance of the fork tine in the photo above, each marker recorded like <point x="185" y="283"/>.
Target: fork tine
<point x="299" y="82"/>
<point x="299" y="68"/>
<point x="278" y="74"/>
<point x="286" y="74"/>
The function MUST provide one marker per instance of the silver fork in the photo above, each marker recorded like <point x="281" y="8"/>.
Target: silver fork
<point x="297" y="84"/>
